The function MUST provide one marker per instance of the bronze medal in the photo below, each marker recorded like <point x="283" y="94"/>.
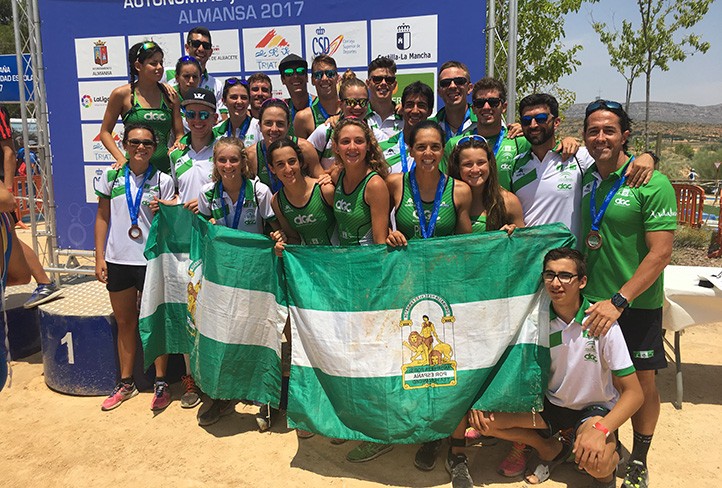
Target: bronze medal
<point x="134" y="232"/>
<point x="593" y="240"/>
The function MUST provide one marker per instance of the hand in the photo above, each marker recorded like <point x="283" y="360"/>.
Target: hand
<point x="514" y="130"/>
<point x="570" y="146"/>
<point x="101" y="270"/>
<point x="176" y="145"/>
<point x="396" y="239"/>
<point x="278" y="248"/>
<point x="192" y="205"/>
<point x="640" y="171"/>
<point x="212" y="221"/>
<point x="589" y="446"/>
<point x="509" y="228"/>
<point x="480" y="420"/>
<point x="601" y="317"/>
<point x="325" y="179"/>
<point x="154" y="205"/>
<point x="333" y="120"/>
<point x="119" y="163"/>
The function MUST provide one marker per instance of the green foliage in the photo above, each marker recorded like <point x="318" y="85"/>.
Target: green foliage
<point x="686" y="236"/>
<point x="684" y="149"/>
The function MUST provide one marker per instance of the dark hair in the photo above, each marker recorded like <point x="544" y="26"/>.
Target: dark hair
<point x="260" y="77"/>
<point x="492" y="197"/>
<point x="199" y="30"/>
<point x="231" y="82"/>
<point x="426" y="124"/>
<point x="374" y="156"/>
<point x="323" y="58"/>
<point x="536" y="99"/>
<point x="625" y="122"/>
<point x="287" y="142"/>
<point x="567" y="253"/>
<point x="455" y="64"/>
<point x="418" y="88"/>
<point x="488" y="83"/>
<point x="140" y="52"/>
<point x="349" y="80"/>
<point x="275" y="102"/>
<point x="186" y="60"/>
<point x="382" y="62"/>
<point x="131" y="127"/>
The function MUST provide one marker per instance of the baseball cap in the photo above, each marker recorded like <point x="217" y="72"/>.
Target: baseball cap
<point x="200" y="96"/>
<point x="290" y="61"/>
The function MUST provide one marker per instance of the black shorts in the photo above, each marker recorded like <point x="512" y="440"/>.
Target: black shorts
<point x="124" y="276"/>
<point x="561" y="418"/>
<point x="642" y="329"/>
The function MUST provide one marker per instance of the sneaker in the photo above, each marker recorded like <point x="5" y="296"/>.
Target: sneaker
<point x="637" y="475"/>
<point x="265" y="417"/>
<point x="366" y="451"/>
<point x="458" y="467"/>
<point x="43" y="293"/>
<point x="425" y="458"/>
<point x="121" y="393"/>
<point x="161" y="396"/>
<point x="304" y="434"/>
<point x="514" y="464"/>
<point x="475" y="438"/>
<point x="218" y="409"/>
<point x="191" y="397"/>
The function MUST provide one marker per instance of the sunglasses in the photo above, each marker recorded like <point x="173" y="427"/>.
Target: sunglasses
<point x="597" y="104"/>
<point x="148" y="45"/>
<point x="202" y="114"/>
<point x="352" y="102"/>
<point x="471" y="137"/>
<point x="139" y="142"/>
<point x="298" y="70"/>
<point x="196" y="44"/>
<point x="564" y="278"/>
<point x="458" y="81"/>
<point x="540" y="119"/>
<point x="330" y="73"/>
<point x="275" y="101"/>
<point x="234" y="81"/>
<point x="493" y="102"/>
<point x="390" y="80"/>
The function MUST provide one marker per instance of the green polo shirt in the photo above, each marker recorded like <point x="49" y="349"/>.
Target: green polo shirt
<point x="631" y="213"/>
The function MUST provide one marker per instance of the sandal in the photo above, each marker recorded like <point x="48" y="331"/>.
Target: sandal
<point x="543" y="469"/>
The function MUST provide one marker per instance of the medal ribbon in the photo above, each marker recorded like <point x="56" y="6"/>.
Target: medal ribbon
<point x="460" y="130"/>
<point x="324" y="114"/>
<point x="275" y="182"/>
<point x="134" y="206"/>
<point x="497" y="144"/>
<point x="597" y="216"/>
<point x="426" y="228"/>
<point x="402" y="153"/>
<point x="244" y="127"/>
<point x="239" y="204"/>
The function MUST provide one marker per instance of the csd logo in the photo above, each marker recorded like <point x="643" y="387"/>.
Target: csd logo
<point x="343" y="206"/>
<point x="622" y="202"/>
<point x="155" y="116"/>
<point x="304" y="219"/>
<point x="564" y="186"/>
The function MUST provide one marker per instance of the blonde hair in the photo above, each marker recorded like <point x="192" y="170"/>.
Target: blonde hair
<point x="349" y="80"/>
<point x="237" y="143"/>
<point x="374" y="156"/>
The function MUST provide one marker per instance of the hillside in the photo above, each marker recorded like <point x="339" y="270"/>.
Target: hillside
<point x="664" y="112"/>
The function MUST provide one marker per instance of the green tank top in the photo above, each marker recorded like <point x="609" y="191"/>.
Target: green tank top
<point x="353" y="214"/>
<point x="263" y="171"/>
<point x="317" y="110"/>
<point x="407" y="222"/>
<point x="161" y="121"/>
<point x="314" y="222"/>
<point x="478" y="224"/>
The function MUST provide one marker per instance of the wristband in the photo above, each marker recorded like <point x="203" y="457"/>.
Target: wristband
<point x="601" y="428"/>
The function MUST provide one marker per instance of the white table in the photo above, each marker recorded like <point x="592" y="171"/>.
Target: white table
<point x="686" y="304"/>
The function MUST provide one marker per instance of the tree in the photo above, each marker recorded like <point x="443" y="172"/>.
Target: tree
<point x="542" y="58"/>
<point x="662" y="38"/>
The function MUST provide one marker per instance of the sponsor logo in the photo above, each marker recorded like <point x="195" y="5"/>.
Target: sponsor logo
<point x="621" y="202"/>
<point x="403" y="37"/>
<point x="271" y="39"/>
<point x="86" y="101"/>
<point x="564" y="186"/>
<point x="343" y="206"/>
<point x="100" y="53"/>
<point x="625" y="192"/>
<point x="270" y="49"/>
<point x="321" y="44"/>
<point x="664" y="213"/>
<point x="505" y="167"/>
<point x="304" y="219"/>
<point x="643" y="354"/>
<point x="427" y="336"/>
<point x="155" y="116"/>
<point x="198" y="96"/>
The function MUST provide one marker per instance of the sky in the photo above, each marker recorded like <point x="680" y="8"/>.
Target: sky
<point x="697" y="80"/>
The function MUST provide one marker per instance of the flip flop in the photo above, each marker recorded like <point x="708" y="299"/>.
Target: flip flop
<point x="543" y="469"/>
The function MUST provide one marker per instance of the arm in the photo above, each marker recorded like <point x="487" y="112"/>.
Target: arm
<point x="10" y="163"/>
<point x="311" y="158"/>
<point x="252" y="160"/>
<point x="394" y="183"/>
<point x="303" y="123"/>
<point x="286" y="234"/>
<point x="327" y="191"/>
<point x="568" y="146"/>
<point x="376" y="196"/>
<point x="7" y="200"/>
<point x="110" y="118"/>
<point x="603" y="314"/>
<point x="102" y="222"/>
<point x="18" y="272"/>
<point x="462" y="200"/>
<point x="640" y="170"/>
<point x="178" y="129"/>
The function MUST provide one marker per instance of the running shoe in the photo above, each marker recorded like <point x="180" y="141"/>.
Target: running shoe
<point x="366" y="451"/>
<point x="458" y="467"/>
<point x="121" y="393"/>
<point x="514" y="464"/>
<point x="637" y="475"/>
<point x="43" y="293"/>
<point x="218" y="409"/>
<point x="425" y="458"/>
<point x="161" y="396"/>
<point x="265" y="417"/>
<point x="191" y="396"/>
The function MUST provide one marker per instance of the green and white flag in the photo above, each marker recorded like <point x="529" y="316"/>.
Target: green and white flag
<point x="164" y="325"/>
<point x="396" y="346"/>
<point x="239" y="311"/>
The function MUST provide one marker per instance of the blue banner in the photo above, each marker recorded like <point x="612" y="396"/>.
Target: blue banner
<point x="9" y="78"/>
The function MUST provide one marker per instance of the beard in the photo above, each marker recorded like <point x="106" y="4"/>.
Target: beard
<point x="540" y="137"/>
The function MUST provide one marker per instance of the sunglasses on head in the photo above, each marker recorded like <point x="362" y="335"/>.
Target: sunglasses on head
<point x="273" y="100"/>
<point x="202" y="114"/>
<point x="330" y="73"/>
<point x="492" y="101"/>
<point x="390" y="80"/>
<point x="458" y="81"/>
<point x="236" y="81"/>
<point x="298" y="70"/>
<point x="540" y="119"/>
<point x="197" y="43"/>
<point x="139" y="142"/>
<point x="352" y="102"/>
<point x="597" y="104"/>
<point x="471" y="137"/>
<point x="148" y="45"/>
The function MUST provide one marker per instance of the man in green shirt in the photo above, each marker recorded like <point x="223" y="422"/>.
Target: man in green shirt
<point x="454" y="86"/>
<point x="628" y="235"/>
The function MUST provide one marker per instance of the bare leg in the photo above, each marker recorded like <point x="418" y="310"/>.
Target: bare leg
<point x="124" y="304"/>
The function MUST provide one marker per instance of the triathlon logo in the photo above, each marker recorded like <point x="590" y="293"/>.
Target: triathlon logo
<point x="86" y="101"/>
<point x="98" y="146"/>
<point x="272" y="45"/>
<point x="427" y="345"/>
<point x="100" y="53"/>
<point x="403" y="37"/>
<point x="195" y="272"/>
<point x="321" y="44"/>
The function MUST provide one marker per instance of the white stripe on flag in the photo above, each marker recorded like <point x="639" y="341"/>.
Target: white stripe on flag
<point x="169" y="272"/>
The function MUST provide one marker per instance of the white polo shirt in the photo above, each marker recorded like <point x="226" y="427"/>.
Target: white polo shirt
<point x="191" y="170"/>
<point x="256" y="206"/>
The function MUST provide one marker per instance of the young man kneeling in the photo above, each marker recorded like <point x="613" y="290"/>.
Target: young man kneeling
<point x="586" y="377"/>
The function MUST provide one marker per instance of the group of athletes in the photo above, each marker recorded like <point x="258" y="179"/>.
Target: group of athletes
<point x="350" y="167"/>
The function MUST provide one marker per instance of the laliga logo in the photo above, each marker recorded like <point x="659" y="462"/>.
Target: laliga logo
<point x="155" y="116"/>
<point x="304" y="219"/>
<point x="343" y="206"/>
<point x="86" y="101"/>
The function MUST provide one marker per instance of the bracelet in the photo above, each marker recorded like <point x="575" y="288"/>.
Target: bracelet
<point x="601" y="428"/>
<point x="654" y="157"/>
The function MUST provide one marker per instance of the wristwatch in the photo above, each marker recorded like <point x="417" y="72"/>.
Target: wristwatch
<point x="619" y="300"/>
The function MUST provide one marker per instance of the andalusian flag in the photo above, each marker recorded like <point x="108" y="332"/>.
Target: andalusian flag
<point x="164" y="325"/>
<point x="395" y="346"/>
<point x="239" y="312"/>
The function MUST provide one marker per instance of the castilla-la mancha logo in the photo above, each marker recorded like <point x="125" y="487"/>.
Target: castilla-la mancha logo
<point x="427" y="344"/>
